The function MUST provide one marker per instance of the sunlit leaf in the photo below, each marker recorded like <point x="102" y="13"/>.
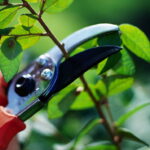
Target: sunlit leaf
<point x="33" y="1"/>
<point x="100" y="146"/>
<point x="87" y="45"/>
<point x="27" y="20"/>
<point x="125" y="65"/>
<point x="108" y="63"/>
<point x="126" y="116"/>
<point x="26" y="41"/>
<point x="90" y="44"/>
<point x="136" y="41"/>
<point x="63" y="146"/>
<point x="144" y="148"/>
<point x="7" y="14"/>
<point x="112" y="38"/>
<point x="62" y="102"/>
<point x="5" y="31"/>
<point x="10" y="55"/>
<point x="83" y="101"/>
<point x="1" y="1"/>
<point x="126" y="97"/>
<point x="55" y="6"/>
<point x="101" y="88"/>
<point x="117" y="84"/>
<point x="85" y="130"/>
<point x="126" y="134"/>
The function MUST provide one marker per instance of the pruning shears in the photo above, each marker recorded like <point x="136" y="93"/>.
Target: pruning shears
<point x="33" y="87"/>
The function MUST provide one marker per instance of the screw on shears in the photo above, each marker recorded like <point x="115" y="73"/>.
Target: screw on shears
<point x="47" y="74"/>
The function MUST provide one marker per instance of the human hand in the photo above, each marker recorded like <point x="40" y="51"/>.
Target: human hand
<point x="10" y="125"/>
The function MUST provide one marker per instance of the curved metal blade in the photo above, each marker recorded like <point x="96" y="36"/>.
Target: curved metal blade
<point x="75" y="66"/>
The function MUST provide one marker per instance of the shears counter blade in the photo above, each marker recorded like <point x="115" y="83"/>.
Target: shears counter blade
<point x="35" y="85"/>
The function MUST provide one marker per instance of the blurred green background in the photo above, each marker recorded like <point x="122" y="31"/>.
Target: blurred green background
<point x="40" y="133"/>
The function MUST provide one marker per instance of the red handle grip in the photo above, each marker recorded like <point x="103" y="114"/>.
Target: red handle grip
<point x="3" y="96"/>
<point x="10" y="125"/>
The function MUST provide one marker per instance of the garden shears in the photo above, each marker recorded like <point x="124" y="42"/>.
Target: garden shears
<point x="33" y="87"/>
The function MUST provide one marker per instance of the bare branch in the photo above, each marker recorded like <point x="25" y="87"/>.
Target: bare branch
<point x="42" y="7"/>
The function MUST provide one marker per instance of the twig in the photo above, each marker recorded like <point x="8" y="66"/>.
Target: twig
<point x="50" y="34"/>
<point x="6" y="2"/>
<point x="106" y="104"/>
<point x="12" y="4"/>
<point x="42" y="7"/>
<point x="30" y="34"/>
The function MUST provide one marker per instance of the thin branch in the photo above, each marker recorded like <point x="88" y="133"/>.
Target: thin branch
<point x="87" y="88"/>
<point x="6" y="2"/>
<point x="104" y="101"/>
<point x="42" y="7"/>
<point x="26" y="4"/>
<point x="31" y="34"/>
<point x="12" y="4"/>
<point x="50" y="34"/>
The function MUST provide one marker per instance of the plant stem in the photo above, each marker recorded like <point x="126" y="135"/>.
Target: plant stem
<point x="66" y="55"/>
<point x="12" y="4"/>
<point x="42" y="7"/>
<point x="106" y="104"/>
<point x="6" y="2"/>
<point x="100" y="112"/>
<point x="31" y="34"/>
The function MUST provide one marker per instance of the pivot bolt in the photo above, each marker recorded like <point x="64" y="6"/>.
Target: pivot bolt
<point x="42" y="60"/>
<point x="47" y="74"/>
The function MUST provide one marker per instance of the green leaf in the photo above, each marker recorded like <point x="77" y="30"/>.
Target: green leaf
<point x="100" y="146"/>
<point x="144" y="148"/>
<point x="63" y="146"/>
<point x="126" y="96"/>
<point x="62" y="102"/>
<point x="26" y="41"/>
<point x="126" y="134"/>
<point x="83" y="101"/>
<point x="136" y="41"/>
<point x="85" y="130"/>
<point x="54" y="6"/>
<point x="10" y="55"/>
<point x="6" y="31"/>
<point x="1" y="1"/>
<point x="125" y="65"/>
<point x="33" y="1"/>
<point x="101" y="88"/>
<point x="126" y="116"/>
<point x="108" y="63"/>
<point x="112" y="38"/>
<point x="7" y="14"/>
<point x="27" y="20"/>
<point x="117" y="84"/>
<point x="87" y="45"/>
